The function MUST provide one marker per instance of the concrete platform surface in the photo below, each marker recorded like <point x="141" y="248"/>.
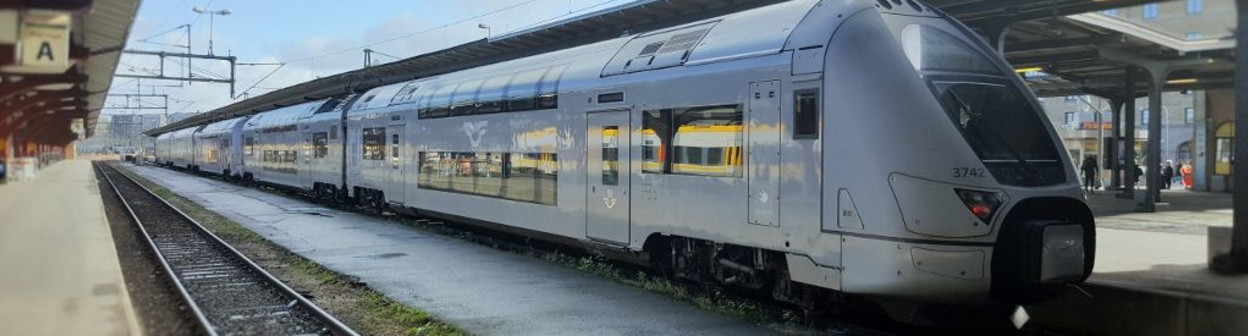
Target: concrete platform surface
<point x="59" y="273"/>
<point x="1183" y="211"/>
<point x="1151" y="275"/>
<point x="480" y="289"/>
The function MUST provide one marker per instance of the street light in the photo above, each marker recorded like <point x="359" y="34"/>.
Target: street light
<point x="488" y="32"/>
<point x="211" y="15"/>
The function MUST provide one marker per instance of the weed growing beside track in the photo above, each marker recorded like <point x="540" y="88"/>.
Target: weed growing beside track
<point x="360" y="307"/>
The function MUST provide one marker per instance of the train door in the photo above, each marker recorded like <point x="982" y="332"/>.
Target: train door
<point x="607" y="208"/>
<point x="763" y="166"/>
<point x="394" y="189"/>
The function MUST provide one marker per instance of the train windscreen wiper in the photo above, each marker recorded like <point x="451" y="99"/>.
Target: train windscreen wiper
<point x="1023" y="165"/>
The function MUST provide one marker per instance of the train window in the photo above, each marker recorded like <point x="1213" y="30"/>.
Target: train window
<point x="522" y="177"/>
<point x="461" y="178"/>
<point x="532" y="177"/>
<point x="656" y="134"/>
<point x="525" y="177"/>
<point x="547" y="101"/>
<point x="702" y="128"/>
<point x="548" y="91"/>
<point x="333" y="132"/>
<point x="249" y="145"/>
<point x="611" y="155"/>
<point x="394" y="148"/>
<point x="464" y="100"/>
<point x="930" y="48"/>
<point x="524" y="85"/>
<point x="521" y="104"/>
<point x="490" y="96"/>
<point x="435" y="171"/>
<point x="487" y="171"/>
<point x="320" y="144"/>
<point x="374" y="143"/>
<point x="806" y="114"/>
<point x="439" y="103"/>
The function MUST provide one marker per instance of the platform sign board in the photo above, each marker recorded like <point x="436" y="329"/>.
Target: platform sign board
<point x="44" y="37"/>
<point x="8" y="26"/>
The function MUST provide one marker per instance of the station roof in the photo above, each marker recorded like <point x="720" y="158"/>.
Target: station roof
<point x="1073" y="50"/>
<point x="1068" y="47"/>
<point x="40" y="103"/>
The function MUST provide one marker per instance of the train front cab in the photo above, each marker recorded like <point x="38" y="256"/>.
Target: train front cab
<point x="941" y="177"/>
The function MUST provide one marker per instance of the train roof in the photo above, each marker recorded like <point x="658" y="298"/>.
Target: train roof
<point x="645" y="15"/>
<point x="220" y="127"/>
<point x="286" y="116"/>
<point x="184" y="132"/>
<point x="728" y="37"/>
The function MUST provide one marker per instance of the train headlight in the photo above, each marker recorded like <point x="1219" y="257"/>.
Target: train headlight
<point x="982" y="204"/>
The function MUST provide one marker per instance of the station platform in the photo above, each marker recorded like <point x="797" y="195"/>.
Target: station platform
<point x="1151" y="275"/>
<point x="59" y="271"/>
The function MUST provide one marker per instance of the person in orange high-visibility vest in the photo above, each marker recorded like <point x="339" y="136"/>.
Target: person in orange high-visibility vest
<point x="1186" y="171"/>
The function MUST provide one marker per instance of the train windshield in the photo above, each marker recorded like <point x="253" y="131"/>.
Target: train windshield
<point x="994" y="116"/>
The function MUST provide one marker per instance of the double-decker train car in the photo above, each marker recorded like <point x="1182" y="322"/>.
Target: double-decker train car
<point x="214" y="147"/>
<point x="178" y="148"/>
<point x="272" y="144"/>
<point x="869" y="148"/>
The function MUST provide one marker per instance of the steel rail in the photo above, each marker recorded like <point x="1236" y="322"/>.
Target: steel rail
<point x="328" y="321"/>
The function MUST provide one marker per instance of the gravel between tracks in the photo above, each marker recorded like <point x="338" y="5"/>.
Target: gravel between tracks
<point x="352" y="302"/>
<point x="248" y="290"/>
<point x="159" y="309"/>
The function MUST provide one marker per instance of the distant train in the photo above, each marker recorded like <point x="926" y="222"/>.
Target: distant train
<point x="808" y="148"/>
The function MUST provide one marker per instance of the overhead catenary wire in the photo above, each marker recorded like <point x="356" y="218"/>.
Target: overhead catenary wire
<point x="254" y="86"/>
<point x="426" y="31"/>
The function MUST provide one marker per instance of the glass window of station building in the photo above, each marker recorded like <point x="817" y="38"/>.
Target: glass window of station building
<point x="1195" y="6"/>
<point x="1150" y="11"/>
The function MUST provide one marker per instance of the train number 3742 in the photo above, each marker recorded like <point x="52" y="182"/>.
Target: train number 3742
<point x="963" y="172"/>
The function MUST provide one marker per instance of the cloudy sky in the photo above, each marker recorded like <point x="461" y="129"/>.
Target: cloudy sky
<point x="314" y="38"/>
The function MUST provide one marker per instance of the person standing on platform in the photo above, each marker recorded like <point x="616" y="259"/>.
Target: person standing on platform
<point x="1138" y="172"/>
<point x="1090" y="170"/>
<point x="1167" y="174"/>
<point x="1186" y="171"/>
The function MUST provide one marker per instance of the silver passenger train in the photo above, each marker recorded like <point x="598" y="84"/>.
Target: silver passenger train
<point x="809" y="148"/>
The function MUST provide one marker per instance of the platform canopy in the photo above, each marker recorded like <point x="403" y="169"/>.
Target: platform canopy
<point x="1072" y="47"/>
<point x="57" y="59"/>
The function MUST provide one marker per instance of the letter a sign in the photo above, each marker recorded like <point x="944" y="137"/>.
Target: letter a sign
<point x="45" y="40"/>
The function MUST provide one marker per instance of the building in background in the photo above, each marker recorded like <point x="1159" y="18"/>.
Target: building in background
<point x="1074" y="117"/>
<point x="122" y="130"/>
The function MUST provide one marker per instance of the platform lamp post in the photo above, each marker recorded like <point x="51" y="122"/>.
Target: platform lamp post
<point x="1237" y="260"/>
<point x="211" y="15"/>
<point x="488" y="32"/>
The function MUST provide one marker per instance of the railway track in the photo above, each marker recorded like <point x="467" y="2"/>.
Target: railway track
<point x="227" y="293"/>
